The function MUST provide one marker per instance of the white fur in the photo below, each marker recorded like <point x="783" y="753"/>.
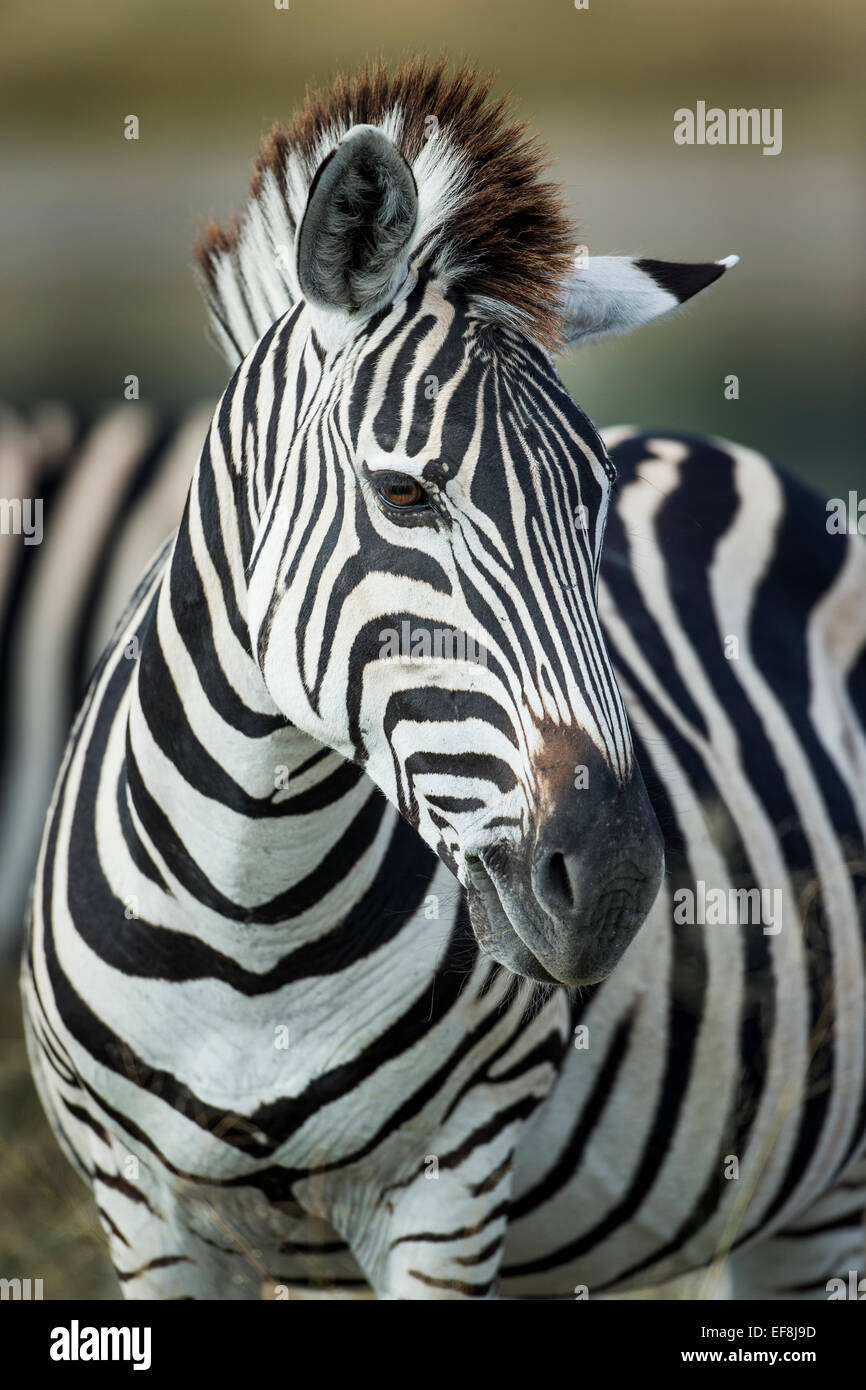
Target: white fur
<point x="606" y="295"/>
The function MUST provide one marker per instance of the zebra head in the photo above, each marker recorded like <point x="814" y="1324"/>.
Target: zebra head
<point x="426" y="513"/>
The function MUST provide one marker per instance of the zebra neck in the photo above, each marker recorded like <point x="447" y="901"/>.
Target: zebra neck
<point x="243" y="814"/>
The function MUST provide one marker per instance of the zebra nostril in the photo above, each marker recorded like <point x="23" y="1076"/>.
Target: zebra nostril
<point x="554" y="884"/>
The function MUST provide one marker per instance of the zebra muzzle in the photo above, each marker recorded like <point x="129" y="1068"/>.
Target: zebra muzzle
<point x="565" y="910"/>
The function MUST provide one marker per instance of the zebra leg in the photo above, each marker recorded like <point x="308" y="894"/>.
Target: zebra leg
<point x="155" y="1253"/>
<point x="822" y="1255"/>
<point x="438" y="1239"/>
<point x="187" y="1249"/>
<point x="188" y="1239"/>
<point x="170" y="1239"/>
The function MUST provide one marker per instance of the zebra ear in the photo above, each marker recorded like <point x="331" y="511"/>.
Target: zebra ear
<point x="612" y="294"/>
<point x="361" y="212"/>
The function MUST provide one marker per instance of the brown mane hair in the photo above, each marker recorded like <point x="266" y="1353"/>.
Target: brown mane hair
<point x="499" y="234"/>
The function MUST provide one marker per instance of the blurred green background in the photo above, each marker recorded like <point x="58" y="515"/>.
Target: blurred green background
<point x="96" y="231"/>
<point x="96" y="234"/>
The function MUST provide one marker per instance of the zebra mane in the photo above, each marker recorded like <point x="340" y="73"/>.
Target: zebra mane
<point x="487" y="224"/>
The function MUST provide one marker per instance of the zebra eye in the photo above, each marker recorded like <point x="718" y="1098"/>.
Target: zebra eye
<point x="401" y="492"/>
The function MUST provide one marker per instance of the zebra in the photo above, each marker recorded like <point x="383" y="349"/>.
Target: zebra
<point x="358" y="969"/>
<point x="111" y="486"/>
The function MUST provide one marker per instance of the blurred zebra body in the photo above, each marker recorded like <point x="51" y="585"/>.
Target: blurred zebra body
<point x="112" y="489"/>
<point x="281" y="872"/>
